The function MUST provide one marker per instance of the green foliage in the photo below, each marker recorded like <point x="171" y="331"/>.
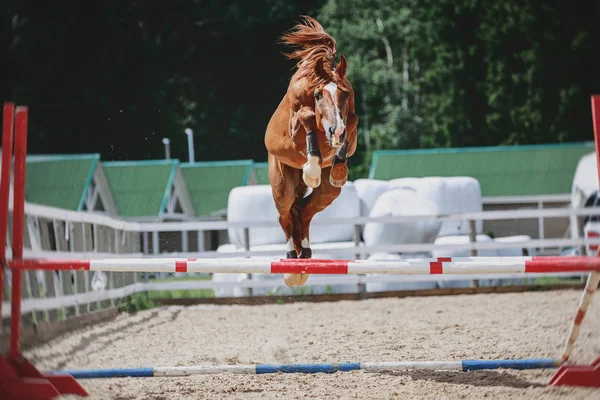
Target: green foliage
<point x="439" y="73"/>
<point x="116" y="77"/>
<point x="182" y="294"/>
<point x="134" y="303"/>
<point x="379" y="38"/>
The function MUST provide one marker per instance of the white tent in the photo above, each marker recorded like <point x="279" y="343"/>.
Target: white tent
<point x="585" y="180"/>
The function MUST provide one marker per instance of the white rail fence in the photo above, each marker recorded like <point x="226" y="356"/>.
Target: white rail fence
<point x="57" y="233"/>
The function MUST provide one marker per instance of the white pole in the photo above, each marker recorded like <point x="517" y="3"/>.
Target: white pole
<point x="190" y="135"/>
<point x="167" y="142"/>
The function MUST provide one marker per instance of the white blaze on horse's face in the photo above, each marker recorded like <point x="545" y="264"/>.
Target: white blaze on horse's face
<point x="331" y="116"/>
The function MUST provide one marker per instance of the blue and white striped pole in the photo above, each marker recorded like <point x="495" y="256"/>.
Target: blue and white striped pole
<point x="257" y="369"/>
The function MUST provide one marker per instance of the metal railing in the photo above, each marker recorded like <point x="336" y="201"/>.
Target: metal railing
<point x="57" y="233"/>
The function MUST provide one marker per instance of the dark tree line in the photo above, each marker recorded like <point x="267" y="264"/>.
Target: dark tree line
<point x="117" y="76"/>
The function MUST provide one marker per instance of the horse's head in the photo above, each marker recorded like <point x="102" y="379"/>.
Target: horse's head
<point x="332" y="101"/>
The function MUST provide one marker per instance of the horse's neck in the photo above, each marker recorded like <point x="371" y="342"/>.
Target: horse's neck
<point x="297" y="96"/>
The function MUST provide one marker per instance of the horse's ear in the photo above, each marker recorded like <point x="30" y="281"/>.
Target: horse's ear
<point x="320" y="69"/>
<point x="341" y="67"/>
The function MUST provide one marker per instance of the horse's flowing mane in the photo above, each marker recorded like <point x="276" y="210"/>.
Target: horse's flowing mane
<point x="312" y="44"/>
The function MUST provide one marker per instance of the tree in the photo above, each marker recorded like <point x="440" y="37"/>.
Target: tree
<point x="382" y="40"/>
<point x="437" y="73"/>
<point x="116" y="77"/>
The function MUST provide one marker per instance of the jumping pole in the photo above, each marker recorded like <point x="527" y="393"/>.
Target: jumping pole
<point x="583" y="375"/>
<point x="19" y="379"/>
<point x="260" y="369"/>
<point x="8" y="113"/>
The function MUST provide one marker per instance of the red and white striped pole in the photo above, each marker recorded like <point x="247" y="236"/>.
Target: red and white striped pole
<point x="21" y="115"/>
<point x="417" y="266"/>
<point x="8" y="115"/>
<point x="594" y="277"/>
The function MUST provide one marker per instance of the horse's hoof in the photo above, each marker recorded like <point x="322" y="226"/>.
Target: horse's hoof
<point x="289" y="280"/>
<point x="311" y="172"/>
<point x="292" y="280"/>
<point x="291" y="254"/>
<point x="311" y="182"/>
<point x="338" y="175"/>
<point x="301" y="280"/>
<point x="336" y="183"/>
<point x="306" y="253"/>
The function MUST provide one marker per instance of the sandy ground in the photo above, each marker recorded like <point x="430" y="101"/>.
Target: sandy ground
<point x="433" y="328"/>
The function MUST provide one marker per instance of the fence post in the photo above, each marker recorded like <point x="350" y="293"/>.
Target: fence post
<point x="200" y="239"/>
<point x="361" y="287"/>
<point x="184" y="242"/>
<point x="156" y="250"/>
<point x="540" y="206"/>
<point x="247" y="248"/>
<point x="473" y="251"/>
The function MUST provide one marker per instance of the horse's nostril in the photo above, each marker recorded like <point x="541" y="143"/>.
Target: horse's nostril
<point x="331" y="131"/>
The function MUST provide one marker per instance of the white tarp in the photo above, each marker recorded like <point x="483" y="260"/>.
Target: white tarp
<point x="585" y="180"/>
<point x="347" y="205"/>
<point x="516" y="251"/>
<point x="462" y="239"/>
<point x="452" y="195"/>
<point x="255" y="203"/>
<point x="401" y="202"/>
<point x="368" y="191"/>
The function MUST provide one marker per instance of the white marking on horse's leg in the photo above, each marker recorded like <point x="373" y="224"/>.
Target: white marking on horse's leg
<point x="305" y="243"/>
<point x="290" y="279"/>
<point x="312" y="167"/>
<point x="311" y="172"/>
<point x="310" y="182"/>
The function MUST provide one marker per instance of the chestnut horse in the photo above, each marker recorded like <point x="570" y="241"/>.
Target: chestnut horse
<point x="309" y="137"/>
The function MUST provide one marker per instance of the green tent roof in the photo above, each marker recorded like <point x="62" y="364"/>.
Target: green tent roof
<point x="261" y="171"/>
<point x="501" y="171"/>
<point x="209" y="183"/>
<point x="59" y="180"/>
<point x="141" y="188"/>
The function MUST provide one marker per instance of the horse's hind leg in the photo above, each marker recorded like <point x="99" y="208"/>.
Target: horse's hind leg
<point x="285" y="185"/>
<point x="317" y="201"/>
<point x="283" y="180"/>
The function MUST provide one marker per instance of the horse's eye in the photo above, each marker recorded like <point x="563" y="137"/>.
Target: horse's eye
<point x="318" y="94"/>
<point x="346" y="94"/>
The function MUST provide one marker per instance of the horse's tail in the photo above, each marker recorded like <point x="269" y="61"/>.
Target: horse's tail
<point x="311" y="38"/>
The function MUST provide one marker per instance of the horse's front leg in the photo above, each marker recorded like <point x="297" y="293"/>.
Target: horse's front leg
<point x="306" y="119"/>
<point x="339" y="166"/>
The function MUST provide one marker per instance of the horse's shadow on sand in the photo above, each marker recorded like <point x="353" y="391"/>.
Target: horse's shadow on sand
<point x="473" y="378"/>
